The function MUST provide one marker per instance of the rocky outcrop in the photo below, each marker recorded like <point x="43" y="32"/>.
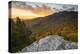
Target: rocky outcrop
<point x="49" y="43"/>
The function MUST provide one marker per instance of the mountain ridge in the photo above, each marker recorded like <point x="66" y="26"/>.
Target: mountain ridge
<point x="64" y="23"/>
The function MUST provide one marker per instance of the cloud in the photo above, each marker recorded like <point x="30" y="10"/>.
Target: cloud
<point x="33" y="9"/>
<point x="70" y="7"/>
<point x="24" y="10"/>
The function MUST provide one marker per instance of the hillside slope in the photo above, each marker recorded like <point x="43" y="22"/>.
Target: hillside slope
<point x="62" y="23"/>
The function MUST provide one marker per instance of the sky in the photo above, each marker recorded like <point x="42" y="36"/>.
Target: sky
<point x="31" y="10"/>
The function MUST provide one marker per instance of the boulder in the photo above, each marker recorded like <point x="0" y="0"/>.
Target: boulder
<point x="49" y="43"/>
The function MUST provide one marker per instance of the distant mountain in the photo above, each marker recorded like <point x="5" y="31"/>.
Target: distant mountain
<point x="55" y="21"/>
<point x="62" y="23"/>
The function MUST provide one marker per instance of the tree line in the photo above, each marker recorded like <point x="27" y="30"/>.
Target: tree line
<point x="20" y="34"/>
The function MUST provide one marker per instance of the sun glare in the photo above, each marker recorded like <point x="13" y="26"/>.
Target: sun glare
<point x="25" y="14"/>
